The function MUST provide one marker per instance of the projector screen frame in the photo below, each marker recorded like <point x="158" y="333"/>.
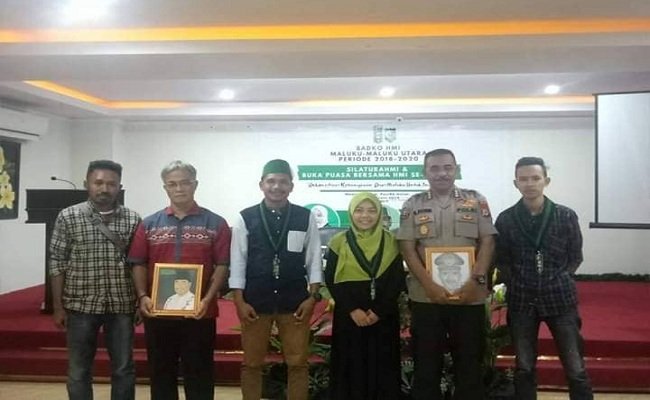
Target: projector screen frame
<point x="608" y="225"/>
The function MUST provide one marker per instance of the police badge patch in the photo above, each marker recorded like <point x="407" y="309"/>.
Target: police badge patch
<point x="424" y="230"/>
<point x="485" y="209"/>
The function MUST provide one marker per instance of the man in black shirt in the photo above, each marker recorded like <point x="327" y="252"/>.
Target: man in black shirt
<point x="539" y="248"/>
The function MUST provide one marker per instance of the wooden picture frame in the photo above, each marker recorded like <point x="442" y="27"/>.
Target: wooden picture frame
<point x="176" y="289"/>
<point x="450" y="267"/>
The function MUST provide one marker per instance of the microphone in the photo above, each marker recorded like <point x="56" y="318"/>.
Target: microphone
<point x="54" y="178"/>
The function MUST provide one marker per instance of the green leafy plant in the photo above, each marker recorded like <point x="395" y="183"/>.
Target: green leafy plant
<point x="498" y="382"/>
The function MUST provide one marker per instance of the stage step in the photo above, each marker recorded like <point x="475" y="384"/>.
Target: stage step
<point x="616" y="333"/>
<point x="53" y="362"/>
<point x="231" y="341"/>
<point x="606" y="374"/>
<point x="17" y="339"/>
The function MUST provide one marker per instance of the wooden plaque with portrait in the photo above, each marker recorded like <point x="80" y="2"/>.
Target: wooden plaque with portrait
<point x="450" y="267"/>
<point x="176" y="289"/>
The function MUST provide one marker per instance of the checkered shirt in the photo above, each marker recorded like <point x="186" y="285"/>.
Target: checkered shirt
<point x="96" y="278"/>
<point x="553" y="292"/>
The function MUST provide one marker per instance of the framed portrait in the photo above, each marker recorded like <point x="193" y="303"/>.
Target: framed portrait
<point x="450" y="267"/>
<point x="176" y="289"/>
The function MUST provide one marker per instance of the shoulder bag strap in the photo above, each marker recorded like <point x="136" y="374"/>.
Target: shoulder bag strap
<point x="99" y="224"/>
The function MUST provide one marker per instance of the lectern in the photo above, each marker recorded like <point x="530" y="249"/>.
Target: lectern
<point x="43" y="206"/>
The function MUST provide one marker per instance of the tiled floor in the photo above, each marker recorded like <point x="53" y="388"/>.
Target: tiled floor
<point x="56" y="391"/>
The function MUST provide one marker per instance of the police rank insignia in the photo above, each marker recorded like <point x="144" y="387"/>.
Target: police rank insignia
<point x="424" y="230"/>
<point x="469" y="203"/>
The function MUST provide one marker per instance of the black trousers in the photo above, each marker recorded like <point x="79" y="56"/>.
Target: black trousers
<point x="436" y="329"/>
<point x="180" y="342"/>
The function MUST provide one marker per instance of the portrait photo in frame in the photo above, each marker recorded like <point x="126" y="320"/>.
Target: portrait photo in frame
<point x="450" y="267"/>
<point x="176" y="289"/>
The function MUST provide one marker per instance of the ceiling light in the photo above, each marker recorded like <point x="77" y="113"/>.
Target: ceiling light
<point x="226" y="94"/>
<point x="74" y="11"/>
<point x="387" y="91"/>
<point x="552" y="89"/>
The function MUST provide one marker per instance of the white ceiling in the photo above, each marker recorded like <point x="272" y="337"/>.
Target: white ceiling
<point x="328" y="76"/>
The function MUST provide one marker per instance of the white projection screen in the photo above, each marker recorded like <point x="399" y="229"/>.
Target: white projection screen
<point x="622" y="161"/>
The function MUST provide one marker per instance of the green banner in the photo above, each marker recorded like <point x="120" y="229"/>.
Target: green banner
<point x="359" y="172"/>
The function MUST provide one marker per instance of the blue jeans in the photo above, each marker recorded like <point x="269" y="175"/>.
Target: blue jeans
<point x="82" y="331"/>
<point x="565" y="328"/>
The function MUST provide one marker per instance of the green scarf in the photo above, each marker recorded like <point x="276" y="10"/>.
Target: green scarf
<point x="535" y="238"/>
<point x="348" y="268"/>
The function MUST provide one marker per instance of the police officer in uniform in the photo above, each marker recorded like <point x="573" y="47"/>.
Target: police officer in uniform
<point x="446" y="216"/>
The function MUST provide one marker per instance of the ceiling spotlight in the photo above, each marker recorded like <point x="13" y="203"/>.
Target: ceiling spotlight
<point x="387" y="91"/>
<point x="74" y="11"/>
<point x="226" y="94"/>
<point x="552" y="89"/>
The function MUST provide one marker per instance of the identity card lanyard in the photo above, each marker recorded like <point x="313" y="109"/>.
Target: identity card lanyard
<point x="371" y="267"/>
<point x="275" y="244"/>
<point x="537" y="241"/>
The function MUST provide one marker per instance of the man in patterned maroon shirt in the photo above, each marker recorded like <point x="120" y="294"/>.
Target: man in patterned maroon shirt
<point x="189" y="234"/>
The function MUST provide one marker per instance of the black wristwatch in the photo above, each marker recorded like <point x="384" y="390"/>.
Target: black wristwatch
<point x="316" y="296"/>
<point x="480" y="279"/>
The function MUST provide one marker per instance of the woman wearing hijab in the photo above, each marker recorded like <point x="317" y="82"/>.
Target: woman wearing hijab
<point x="365" y="276"/>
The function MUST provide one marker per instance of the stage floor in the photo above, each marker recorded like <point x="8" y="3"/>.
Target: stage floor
<point x="616" y="328"/>
<point x="39" y="391"/>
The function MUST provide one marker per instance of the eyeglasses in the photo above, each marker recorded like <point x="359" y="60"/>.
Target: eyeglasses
<point x="180" y="184"/>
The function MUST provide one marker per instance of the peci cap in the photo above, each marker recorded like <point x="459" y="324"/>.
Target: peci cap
<point x="277" y="166"/>
<point x="183" y="274"/>
<point x="449" y="261"/>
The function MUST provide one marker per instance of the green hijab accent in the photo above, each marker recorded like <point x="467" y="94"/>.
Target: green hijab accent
<point x="347" y="268"/>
